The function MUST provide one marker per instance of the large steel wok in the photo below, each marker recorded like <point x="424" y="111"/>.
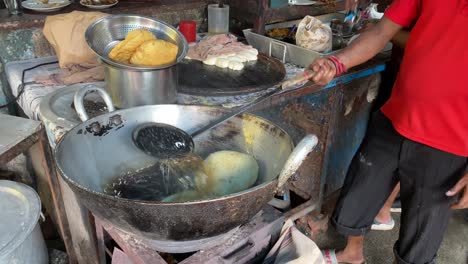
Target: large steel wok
<point x="100" y="148"/>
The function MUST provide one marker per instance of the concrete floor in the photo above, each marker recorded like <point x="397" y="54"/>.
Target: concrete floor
<point x="378" y="244"/>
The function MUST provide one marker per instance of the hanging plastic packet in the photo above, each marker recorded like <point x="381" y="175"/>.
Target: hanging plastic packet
<point x="314" y="35"/>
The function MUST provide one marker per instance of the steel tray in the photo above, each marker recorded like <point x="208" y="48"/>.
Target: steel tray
<point x="284" y="51"/>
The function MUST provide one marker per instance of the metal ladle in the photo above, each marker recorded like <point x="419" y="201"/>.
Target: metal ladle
<point x="166" y="141"/>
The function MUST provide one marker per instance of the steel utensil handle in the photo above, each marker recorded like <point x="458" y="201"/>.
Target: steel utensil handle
<point x="298" y="79"/>
<point x="234" y="113"/>
<point x="78" y="100"/>
<point x="286" y="84"/>
<point x="299" y="154"/>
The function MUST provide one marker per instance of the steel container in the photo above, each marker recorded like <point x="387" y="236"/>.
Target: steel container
<point x="129" y="88"/>
<point x="135" y="85"/>
<point x="284" y="51"/>
<point x="21" y="240"/>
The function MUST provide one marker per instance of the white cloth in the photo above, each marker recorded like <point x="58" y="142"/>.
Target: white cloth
<point x="293" y="247"/>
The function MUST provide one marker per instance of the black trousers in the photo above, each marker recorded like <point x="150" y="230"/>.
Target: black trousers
<point x="426" y="174"/>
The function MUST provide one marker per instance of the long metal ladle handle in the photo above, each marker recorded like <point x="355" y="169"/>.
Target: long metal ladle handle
<point x="299" y="154"/>
<point x="298" y="79"/>
<point x="78" y="100"/>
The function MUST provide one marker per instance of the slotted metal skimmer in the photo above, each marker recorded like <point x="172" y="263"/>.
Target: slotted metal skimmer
<point x="162" y="140"/>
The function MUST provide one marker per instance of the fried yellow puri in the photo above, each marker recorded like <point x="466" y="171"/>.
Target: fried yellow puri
<point x="154" y="53"/>
<point x="123" y="51"/>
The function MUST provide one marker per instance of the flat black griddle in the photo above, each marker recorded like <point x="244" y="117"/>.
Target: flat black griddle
<point x="196" y="78"/>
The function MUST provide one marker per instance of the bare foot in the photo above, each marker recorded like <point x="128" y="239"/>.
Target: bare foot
<point x="349" y="257"/>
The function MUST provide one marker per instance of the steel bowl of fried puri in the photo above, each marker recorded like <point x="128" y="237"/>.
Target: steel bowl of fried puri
<point x="141" y="47"/>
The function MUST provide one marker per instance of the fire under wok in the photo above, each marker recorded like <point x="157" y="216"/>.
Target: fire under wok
<point x="99" y="149"/>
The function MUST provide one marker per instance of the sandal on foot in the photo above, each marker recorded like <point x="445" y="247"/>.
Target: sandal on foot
<point x="396" y="207"/>
<point x="330" y="257"/>
<point x="383" y="226"/>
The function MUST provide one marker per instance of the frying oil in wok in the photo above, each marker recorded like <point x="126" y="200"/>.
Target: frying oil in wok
<point x="157" y="182"/>
<point x="189" y="178"/>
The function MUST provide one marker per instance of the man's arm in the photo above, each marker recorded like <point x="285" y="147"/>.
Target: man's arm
<point x="366" y="46"/>
<point x="401" y="38"/>
<point x="369" y="43"/>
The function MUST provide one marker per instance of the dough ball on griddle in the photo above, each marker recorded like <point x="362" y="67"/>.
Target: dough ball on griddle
<point x="235" y="65"/>
<point x="222" y="63"/>
<point x="123" y="51"/>
<point x="253" y="51"/>
<point x="249" y="55"/>
<point x="210" y="61"/>
<point x="154" y="53"/>
<point x="236" y="58"/>
<point x="241" y="57"/>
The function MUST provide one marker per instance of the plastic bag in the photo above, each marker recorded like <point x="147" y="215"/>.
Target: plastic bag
<point x="66" y="34"/>
<point x="314" y="35"/>
<point x="373" y="13"/>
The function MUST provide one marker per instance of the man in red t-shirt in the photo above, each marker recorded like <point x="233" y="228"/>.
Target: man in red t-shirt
<point x="420" y="136"/>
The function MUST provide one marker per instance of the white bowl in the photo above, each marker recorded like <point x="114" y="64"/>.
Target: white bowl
<point x="52" y="6"/>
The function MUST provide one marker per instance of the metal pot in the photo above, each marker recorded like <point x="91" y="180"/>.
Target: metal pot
<point x="129" y="87"/>
<point x="21" y="239"/>
<point x="99" y="149"/>
<point x="134" y="85"/>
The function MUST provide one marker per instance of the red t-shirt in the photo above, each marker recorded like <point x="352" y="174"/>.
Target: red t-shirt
<point x="429" y="101"/>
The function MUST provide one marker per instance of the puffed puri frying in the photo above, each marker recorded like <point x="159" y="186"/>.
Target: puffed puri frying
<point x="123" y="51"/>
<point x="154" y="53"/>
